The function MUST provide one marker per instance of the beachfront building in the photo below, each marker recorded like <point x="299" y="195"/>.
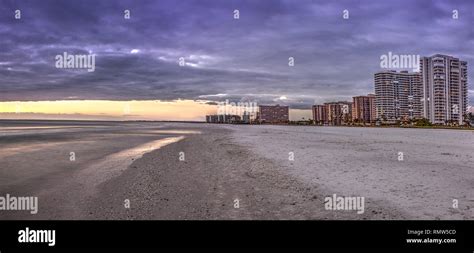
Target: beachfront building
<point x="246" y="117"/>
<point x="363" y="109"/>
<point x="223" y="119"/>
<point x="333" y="113"/>
<point x="338" y="113"/>
<point x="212" y="119"/>
<point x="320" y="115"/>
<point x="397" y="95"/>
<point x="273" y="114"/>
<point x="444" y="89"/>
<point x="346" y="109"/>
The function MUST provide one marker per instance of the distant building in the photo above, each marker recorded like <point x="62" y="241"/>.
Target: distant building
<point x="346" y="109"/>
<point x="233" y="119"/>
<point x="444" y="89"/>
<point x="320" y="115"/>
<point x="363" y="109"/>
<point x="246" y="118"/>
<point x="338" y="113"/>
<point x="223" y="119"/>
<point x="273" y="114"/>
<point x="212" y="119"/>
<point x="333" y="113"/>
<point x="397" y="95"/>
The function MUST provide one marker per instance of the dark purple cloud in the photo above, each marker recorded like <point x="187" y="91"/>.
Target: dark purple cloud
<point x="237" y="59"/>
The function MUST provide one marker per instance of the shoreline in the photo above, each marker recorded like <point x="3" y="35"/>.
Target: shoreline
<point x="35" y="121"/>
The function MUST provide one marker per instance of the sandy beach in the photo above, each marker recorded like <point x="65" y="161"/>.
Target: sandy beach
<point x="138" y="170"/>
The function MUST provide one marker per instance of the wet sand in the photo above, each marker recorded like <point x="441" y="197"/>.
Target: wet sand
<point x="63" y="164"/>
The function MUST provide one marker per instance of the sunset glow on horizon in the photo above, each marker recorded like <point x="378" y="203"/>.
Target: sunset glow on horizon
<point x="180" y="110"/>
<point x="177" y="110"/>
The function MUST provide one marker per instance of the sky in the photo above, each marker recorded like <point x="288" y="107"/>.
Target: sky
<point x="245" y="59"/>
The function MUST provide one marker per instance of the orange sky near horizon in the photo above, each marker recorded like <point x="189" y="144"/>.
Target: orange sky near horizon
<point x="178" y="110"/>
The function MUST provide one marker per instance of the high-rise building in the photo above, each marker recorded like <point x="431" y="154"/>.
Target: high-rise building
<point x="339" y="113"/>
<point x="444" y="89"/>
<point x="346" y="112"/>
<point x="320" y="115"/>
<point x="363" y="109"/>
<point x="397" y="95"/>
<point x="273" y="114"/>
<point x="332" y="113"/>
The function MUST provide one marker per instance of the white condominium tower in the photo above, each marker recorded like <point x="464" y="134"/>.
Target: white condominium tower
<point x="397" y="95"/>
<point x="444" y="80"/>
